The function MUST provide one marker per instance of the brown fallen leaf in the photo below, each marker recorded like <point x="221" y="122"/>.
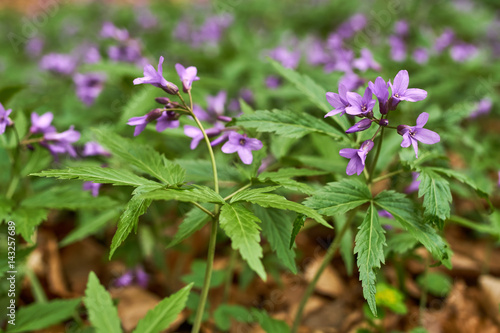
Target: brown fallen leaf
<point x="329" y="283"/>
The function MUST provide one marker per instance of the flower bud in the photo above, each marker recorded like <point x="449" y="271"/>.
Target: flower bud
<point x="153" y="115"/>
<point x="360" y="126"/>
<point x="402" y="129"/>
<point x="170" y="88"/>
<point x="162" y="100"/>
<point x="383" y="122"/>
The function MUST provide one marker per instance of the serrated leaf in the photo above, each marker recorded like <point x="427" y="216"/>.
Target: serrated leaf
<point x="241" y="226"/>
<point x="27" y="219"/>
<point x="144" y="157"/>
<point x="436" y="192"/>
<point x="196" y="194"/>
<point x="256" y="196"/>
<point x="98" y="175"/>
<point x="42" y="315"/>
<point x="339" y="197"/>
<point x="400" y="243"/>
<point x="410" y="219"/>
<point x="284" y="176"/>
<point x="315" y="93"/>
<point x="197" y="275"/>
<point x="298" y="223"/>
<point x="461" y="178"/>
<point x="277" y="228"/>
<point x="370" y="241"/>
<point x="102" y="313"/>
<point x="225" y="312"/>
<point x="136" y="207"/>
<point x="201" y="170"/>
<point x="288" y="124"/>
<point x="193" y="221"/>
<point x="164" y="313"/>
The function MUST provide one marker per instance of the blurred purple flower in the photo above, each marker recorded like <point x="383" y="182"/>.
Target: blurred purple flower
<point x="93" y="187"/>
<point x="130" y="52"/>
<point x="60" y="143"/>
<point x="93" y="148"/>
<point x="91" y="55"/>
<point x="482" y="108"/>
<point x="187" y="76"/>
<point x="413" y="134"/>
<point x="462" y="52"/>
<point x="401" y="28"/>
<point x="400" y="91"/>
<point x="125" y="280"/>
<point x="196" y="134"/>
<point x="421" y="55"/>
<point x="88" y="86"/>
<point x="338" y="101"/>
<point x="289" y="59"/>
<point x="141" y="122"/>
<point x="381" y="90"/>
<point x="413" y="187"/>
<point x="242" y="145"/>
<point x="398" y="48"/>
<point x="360" y="126"/>
<point x="273" y="82"/>
<point x="4" y="118"/>
<point x="58" y="63"/>
<point x="315" y="53"/>
<point x="366" y="61"/>
<point x="443" y="41"/>
<point x="351" y="81"/>
<point x="155" y="78"/>
<point x="355" y="23"/>
<point x="357" y="157"/>
<point x="41" y="124"/>
<point x="215" y="105"/>
<point x="109" y="30"/>
<point x="146" y="18"/>
<point x="386" y="214"/>
<point x="168" y="119"/>
<point x="34" y="47"/>
<point x="360" y="106"/>
<point x="141" y="277"/>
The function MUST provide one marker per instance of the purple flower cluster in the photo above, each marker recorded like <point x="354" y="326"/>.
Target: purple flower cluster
<point x="362" y="106"/>
<point x="136" y="275"/>
<point x="209" y="33"/>
<point x="127" y="49"/>
<point x="4" y="119"/>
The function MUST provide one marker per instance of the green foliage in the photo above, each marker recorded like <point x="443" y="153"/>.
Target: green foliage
<point x="405" y="213"/>
<point x="164" y="313"/>
<point x="339" y="197"/>
<point x="256" y="196"/>
<point x="225" y="312"/>
<point x="102" y="313"/>
<point x="436" y="192"/>
<point x="241" y="226"/>
<point x="27" y="219"/>
<point x="42" y="315"/>
<point x="436" y="283"/>
<point x="370" y="242"/>
<point x="268" y="324"/>
<point x="197" y="193"/>
<point x="194" y="220"/>
<point x="136" y="207"/>
<point x="391" y="298"/>
<point x="197" y="275"/>
<point x="298" y="223"/>
<point x="284" y="176"/>
<point x="145" y="158"/>
<point x="401" y="243"/>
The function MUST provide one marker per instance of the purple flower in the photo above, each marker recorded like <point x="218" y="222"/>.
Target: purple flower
<point x="315" y="53"/>
<point x="420" y="55"/>
<point x="4" y="119"/>
<point x="34" y="47"/>
<point x="216" y="103"/>
<point x="93" y="148"/>
<point x="196" y="134"/>
<point x="141" y="277"/>
<point x="91" y="186"/>
<point x="381" y="90"/>
<point x="58" y="63"/>
<point x="360" y="126"/>
<point x="413" y="187"/>
<point x="109" y="30"/>
<point x="130" y="52"/>
<point x="366" y="61"/>
<point x="60" y="143"/>
<point x="351" y="81"/>
<point x="352" y="25"/>
<point x="444" y="40"/>
<point x="360" y="105"/>
<point x="483" y="107"/>
<point x="273" y="82"/>
<point x="91" y="55"/>
<point x="338" y="101"/>
<point x="243" y="145"/>
<point x="187" y="76"/>
<point x="287" y="58"/>
<point x="401" y="28"/>
<point x="462" y="52"/>
<point x="168" y="119"/>
<point x="386" y="214"/>
<point x="145" y="18"/>
<point x="125" y="280"/>
<point x="357" y="157"/>
<point x="141" y="122"/>
<point x="400" y="91"/>
<point x="155" y="78"/>
<point x="41" y="124"/>
<point x="412" y="134"/>
<point x="398" y="48"/>
<point x="88" y="86"/>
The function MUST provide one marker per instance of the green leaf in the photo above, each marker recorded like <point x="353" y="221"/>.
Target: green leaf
<point x="461" y="178"/>
<point x="201" y="170"/>
<point x="370" y="242"/>
<point x="256" y="196"/>
<point x="400" y="243"/>
<point x="197" y="193"/>
<point x="144" y="157"/>
<point x="288" y="124"/>
<point x="315" y="93"/>
<point x="391" y="298"/>
<point x="268" y="324"/>
<point x="136" y="207"/>
<point x="436" y="283"/>
<point x="436" y="192"/>
<point x="298" y="223"/>
<point x="345" y="244"/>
<point x="283" y="177"/>
<point x="27" y="219"/>
<point x="70" y="196"/>
<point x="225" y="312"/>
<point x="339" y="197"/>
<point x="193" y="221"/>
<point x="102" y="313"/>
<point x="98" y="175"/>
<point x="42" y="315"/>
<point x="197" y="275"/>
<point x="277" y="228"/>
<point x="241" y="226"/>
<point x="410" y="219"/>
<point x="164" y="313"/>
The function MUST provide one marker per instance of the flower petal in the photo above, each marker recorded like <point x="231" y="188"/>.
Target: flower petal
<point x="401" y="82"/>
<point x="422" y="119"/>
<point x="426" y="136"/>
<point x="352" y="166"/>
<point x="406" y="140"/>
<point x="414" y="95"/>
<point x="414" y="143"/>
<point x="230" y="147"/>
<point x="348" y="152"/>
<point x="245" y="155"/>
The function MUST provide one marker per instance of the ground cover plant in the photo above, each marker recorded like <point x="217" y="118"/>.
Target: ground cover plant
<point x="255" y="166"/>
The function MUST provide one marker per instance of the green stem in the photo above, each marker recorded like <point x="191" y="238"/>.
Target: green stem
<point x="377" y="154"/>
<point x="229" y="278"/>
<point x="390" y="174"/>
<point x="213" y="230"/>
<point x="332" y="249"/>
<point x="237" y="191"/>
<point x="204" y="209"/>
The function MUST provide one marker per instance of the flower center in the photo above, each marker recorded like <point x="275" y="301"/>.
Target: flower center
<point x="364" y="108"/>
<point x="242" y="142"/>
<point x="396" y="95"/>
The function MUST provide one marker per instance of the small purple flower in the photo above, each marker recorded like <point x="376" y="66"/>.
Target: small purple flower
<point x="357" y="157"/>
<point x="93" y="148"/>
<point x="216" y="103"/>
<point x="141" y="277"/>
<point x="129" y="52"/>
<point x="4" y="119"/>
<point x="412" y="134"/>
<point x="155" y="78"/>
<point x="145" y="18"/>
<point x="315" y="53"/>
<point x="109" y="30"/>
<point x="355" y="23"/>
<point x="141" y="122"/>
<point x="462" y="52"/>
<point x="91" y="186"/>
<point x="273" y="82"/>
<point x="401" y="28"/>
<point x="60" y="143"/>
<point x="91" y="55"/>
<point x="443" y="41"/>
<point x="168" y="119"/>
<point x="243" y="145"/>
<point x="360" y="106"/>
<point x="338" y="101"/>
<point x="41" y="124"/>
<point x="482" y="108"/>
<point x="58" y="63"/>
<point x="287" y="58"/>
<point x="187" y="76"/>
<point x="366" y="61"/>
<point x="125" y="280"/>
<point x="196" y="134"/>
<point x="381" y="90"/>
<point x="413" y="187"/>
<point x="360" y="126"/>
<point x="400" y="91"/>
<point x="351" y="81"/>
<point x="398" y="48"/>
<point x="386" y="214"/>
<point x="420" y="55"/>
<point x="34" y="47"/>
<point x="88" y="86"/>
